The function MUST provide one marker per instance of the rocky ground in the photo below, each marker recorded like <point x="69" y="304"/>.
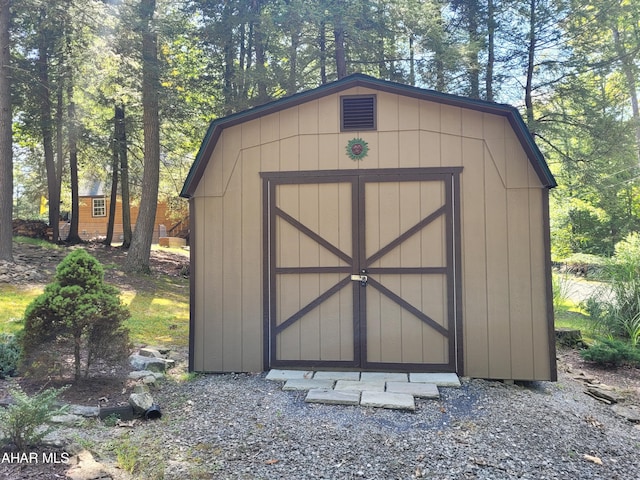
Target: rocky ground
<point x="241" y="426"/>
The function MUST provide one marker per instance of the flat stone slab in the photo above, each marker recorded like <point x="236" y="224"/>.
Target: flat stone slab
<point x="439" y="379"/>
<point x="354" y="376"/>
<point x="377" y="386"/>
<point x="307" y="384"/>
<point x="284" y="375"/>
<point x="420" y="390"/>
<point x="383" y="376"/>
<point x="333" y="397"/>
<point x="399" y="401"/>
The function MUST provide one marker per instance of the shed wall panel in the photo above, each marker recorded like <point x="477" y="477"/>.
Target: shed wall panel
<point x="251" y="259"/>
<point x="519" y="284"/>
<point x="474" y="261"/>
<point x="211" y="240"/>
<point x="232" y="272"/>
<point x="538" y="286"/>
<point x="497" y="248"/>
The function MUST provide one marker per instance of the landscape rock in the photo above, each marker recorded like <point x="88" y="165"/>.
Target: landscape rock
<point x="630" y="412"/>
<point x="68" y="419"/>
<point x="140" y="402"/>
<point x="84" y="411"/>
<point x="86" y="468"/>
<point x="153" y="364"/>
<point x="150" y="352"/>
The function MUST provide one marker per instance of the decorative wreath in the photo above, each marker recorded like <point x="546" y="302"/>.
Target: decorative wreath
<point x="357" y="149"/>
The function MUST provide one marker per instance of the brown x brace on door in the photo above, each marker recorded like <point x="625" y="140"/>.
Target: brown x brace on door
<point x="361" y="269"/>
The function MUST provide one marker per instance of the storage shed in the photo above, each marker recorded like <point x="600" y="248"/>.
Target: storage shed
<point x="371" y="225"/>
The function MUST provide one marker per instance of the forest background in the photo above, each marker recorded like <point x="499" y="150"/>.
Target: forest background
<point x="125" y="89"/>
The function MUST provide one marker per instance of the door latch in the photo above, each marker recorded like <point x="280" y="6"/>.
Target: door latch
<point x="362" y="278"/>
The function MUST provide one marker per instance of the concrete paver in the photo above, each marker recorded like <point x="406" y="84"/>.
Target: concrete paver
<point x="284" y="375"/>
<point x="440" y="379"/>
<point x="306" y="384"/>
<point x="400" y="401"/>
<point x="377" y="386"/>
<point x="384" y="376"/>
<point x="420" y="390"/>
<point x="333" y="397"/>
<point x="355" y="376"/>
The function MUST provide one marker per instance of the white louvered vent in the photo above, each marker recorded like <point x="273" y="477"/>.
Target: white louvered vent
<point x="358" y="112"/>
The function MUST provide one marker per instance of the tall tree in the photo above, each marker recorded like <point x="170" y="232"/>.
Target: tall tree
<point x="6" y="136"/>
<point x="46" y="118"/>
<point x="140" y="250"/>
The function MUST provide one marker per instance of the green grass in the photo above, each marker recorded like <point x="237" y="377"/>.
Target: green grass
<point x="159" y="315"/>
<point x="569" y="315"/>
<point x="36" y="241"/>
<point x="14" y="300"/>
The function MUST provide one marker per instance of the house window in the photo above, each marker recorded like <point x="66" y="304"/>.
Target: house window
<point x="357" y="112"/>
<point x="99" y="207"/>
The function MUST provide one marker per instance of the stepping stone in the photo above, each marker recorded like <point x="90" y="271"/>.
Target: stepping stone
<point x="420" y="390"/>
<point x="399" y="401"/>
<point x="307" y="384"/>
<point x="359" y="386"/>
<point x="355" y="376"/>
<point x="383" y="376"/>
<point x="440" y="379"/>
<point x="284" y="375"/>
<point x="333" y="397"/>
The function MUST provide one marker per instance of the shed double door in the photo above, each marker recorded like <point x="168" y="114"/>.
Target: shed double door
<point x="361" y="270"/>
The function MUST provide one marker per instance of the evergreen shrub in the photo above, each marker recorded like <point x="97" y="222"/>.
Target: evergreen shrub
<point x="78" y="316"/>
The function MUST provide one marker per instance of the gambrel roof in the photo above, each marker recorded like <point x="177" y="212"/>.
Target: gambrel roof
<point x="359" y="80"/>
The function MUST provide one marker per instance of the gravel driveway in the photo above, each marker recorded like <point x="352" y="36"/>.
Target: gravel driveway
<point x="244" y="427"/>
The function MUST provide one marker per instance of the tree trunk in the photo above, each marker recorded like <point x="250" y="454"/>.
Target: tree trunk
<point x="531" y="53"/>
<point x="139" y="253"/>
<point x="474" y="62"/>
<point x="323" y="52"/>
<point x="113" y="198"/>
<point x="627" y="69"/>
<point x="121" y="145"/>
<point x="341" y="61"/>
<point x="47" y="132"/>
<point x="229" y="60"/>
<point x="77" y="343"/>
<point x="491" y="54"/>
<point x="73" y="236"/>
<point x="6" y="137"/>
<point x="259" y="40"/>
<point x="412" y="62"/>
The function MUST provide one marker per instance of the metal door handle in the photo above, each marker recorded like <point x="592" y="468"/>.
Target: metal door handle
<point x="363" y="279"/>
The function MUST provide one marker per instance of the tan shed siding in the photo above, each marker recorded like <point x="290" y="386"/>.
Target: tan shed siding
<point x="210" y="239"/>
<point x="198" y="318"/>
<point x="496" y="246"/>
<point x="474" y="259"/>
<point x="541" y="358"/>
<point x="504" y="279"/>
<point x="504" y="310"/>
<point x="519" y="246"/>
<point x="251" y="261"/>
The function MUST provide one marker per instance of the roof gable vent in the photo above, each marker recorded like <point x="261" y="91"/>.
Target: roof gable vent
<point x="358" y="112"/>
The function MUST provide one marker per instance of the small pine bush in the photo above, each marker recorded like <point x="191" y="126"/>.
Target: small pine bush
<point x="78" y="315"/>
<point x="9" y="355"/>
<point x="612" y="353"/>
<point x="23" y="422"/>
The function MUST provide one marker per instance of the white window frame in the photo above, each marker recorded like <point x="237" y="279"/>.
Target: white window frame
<point x="98" y="207"/>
